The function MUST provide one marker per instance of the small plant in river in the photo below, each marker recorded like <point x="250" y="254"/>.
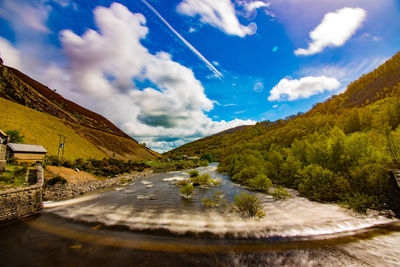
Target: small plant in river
<point x="280" y="193"/>
<point x="248" y="205"/>
<point x="216" y="201"/>
<point x="194" y="173"/>
<point x="205" y="180"/>
<point x="187" y="191"/>
<point x="182" y="182"/>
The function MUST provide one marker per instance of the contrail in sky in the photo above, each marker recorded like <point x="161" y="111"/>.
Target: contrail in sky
<point x="191" y="47"/>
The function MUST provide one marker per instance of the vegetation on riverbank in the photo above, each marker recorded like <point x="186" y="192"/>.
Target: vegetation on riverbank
<point x="175" y="165"/>
<point x="107" y="167"/>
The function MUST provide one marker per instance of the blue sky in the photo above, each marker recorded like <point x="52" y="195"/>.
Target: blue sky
<point x="169" y="72"/>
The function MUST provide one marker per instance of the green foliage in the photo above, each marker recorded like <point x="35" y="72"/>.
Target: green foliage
<point x="194" y="173"/>
<point x="175" y="165"/>
<point x="261" y="183"/>
<point x="106" y="167"/>
<point x="15" y="136"/>
<point x="280" y="193"/>
<point x="204" y="181"/>
<point x="321" y="184"/>
<point x="56" y="180"/>
<point x="217" y="200"/>
<point x="182" y="182"/>
<point x="248" y="205"/>
<point x="187" y="190"/>
<point x="13" y="176"/>
<point x="207" y="157"/>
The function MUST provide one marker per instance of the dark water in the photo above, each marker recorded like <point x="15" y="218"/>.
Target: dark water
<point x="148" y="223"/>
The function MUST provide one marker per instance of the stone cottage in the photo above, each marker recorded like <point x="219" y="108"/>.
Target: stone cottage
<point x="3" y="145"/>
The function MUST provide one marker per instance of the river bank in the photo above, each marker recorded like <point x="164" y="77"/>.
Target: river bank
<point x="69" y="190"/>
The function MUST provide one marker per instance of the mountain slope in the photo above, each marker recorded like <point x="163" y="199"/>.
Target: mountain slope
<point x="91" y="134"/>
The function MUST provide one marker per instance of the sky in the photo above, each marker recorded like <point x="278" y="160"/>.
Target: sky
<point x="168" y="72"/>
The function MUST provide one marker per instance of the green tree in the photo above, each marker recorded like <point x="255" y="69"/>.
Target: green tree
<point x="15" y="136"/>
<point x="261" y="183"/>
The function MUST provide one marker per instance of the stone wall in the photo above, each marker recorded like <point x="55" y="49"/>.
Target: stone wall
<point x="63" y="191"/>
<point x="22" y="201"/>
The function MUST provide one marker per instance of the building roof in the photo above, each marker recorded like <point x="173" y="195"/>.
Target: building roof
<point x="26" y="148"/>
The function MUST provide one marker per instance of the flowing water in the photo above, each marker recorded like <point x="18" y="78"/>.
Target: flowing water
<point x="149" y="223"/>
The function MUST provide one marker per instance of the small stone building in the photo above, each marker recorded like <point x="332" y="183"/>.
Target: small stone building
<point x="25" y="152"/>
<point x="3" y="146"/>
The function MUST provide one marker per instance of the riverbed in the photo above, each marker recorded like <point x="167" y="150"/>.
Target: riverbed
<point x="148" y="223"/>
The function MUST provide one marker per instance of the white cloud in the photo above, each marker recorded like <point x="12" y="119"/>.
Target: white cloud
<point x="23" y="15"/>
<point x="303" y="88"/>
<point x="335" y="29"/>
<point x="106" y="63"/>
<point x="274" y="106"/>
<point x="219" y="14"/>
<point x="9" y="54"/>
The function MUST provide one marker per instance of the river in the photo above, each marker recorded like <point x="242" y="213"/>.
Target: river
<point x="147" y="223"/>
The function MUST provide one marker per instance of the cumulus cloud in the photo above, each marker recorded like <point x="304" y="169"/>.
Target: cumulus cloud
<point x="24" y="15"/>
<point x="303" y="88"/>
<point x="219" y="14"/>
<point x="9" y="54"/>
<point x="106" y="63"/>
<point x="335" y="29"/>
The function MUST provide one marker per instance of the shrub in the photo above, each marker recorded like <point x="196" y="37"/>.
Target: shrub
<point x="361" y="202"/>
<point x="15" y="136"/>
<point x="280" y="193"/>
<point x="182" y="182"/>
<point x="187" y="190"/>
<point x="194" y="173"/>
<point x="55" y="180"/>
<point x="261" y="183"/>
<point x="216" y="201"/>
<point x="248" y="205"/>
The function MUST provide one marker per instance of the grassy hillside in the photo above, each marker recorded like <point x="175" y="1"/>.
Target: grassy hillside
<point x="42" y="129"/>
<point x="340" y="151"/>
<point x="41" y="114"/>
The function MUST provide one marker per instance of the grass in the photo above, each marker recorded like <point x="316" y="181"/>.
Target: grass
<point x="13" y="176"/>
<point x="42" y="129"/>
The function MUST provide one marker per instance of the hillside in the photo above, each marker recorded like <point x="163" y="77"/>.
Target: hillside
<point x="41" y="114"/>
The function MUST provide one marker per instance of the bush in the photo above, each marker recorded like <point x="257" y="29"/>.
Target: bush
<point x="187" y="190"/>
<point x="361" y="202"/>
<point x="208" y="157"/>
<point x="321" y="184"/>
<point x="280" y="193"/>
<point x="261" y="183"/>
<point x="248" y="205"/>
<point x="216" y="201"/>
<point x="182" y="182"/>
<point x="56" y="180"/>
<point x="15" y="136"/>
<point x="194" y="173"/>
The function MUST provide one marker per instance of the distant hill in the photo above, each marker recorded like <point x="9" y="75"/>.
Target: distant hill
<point x="41" y="114"/>
<point x="378" y="85"/>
